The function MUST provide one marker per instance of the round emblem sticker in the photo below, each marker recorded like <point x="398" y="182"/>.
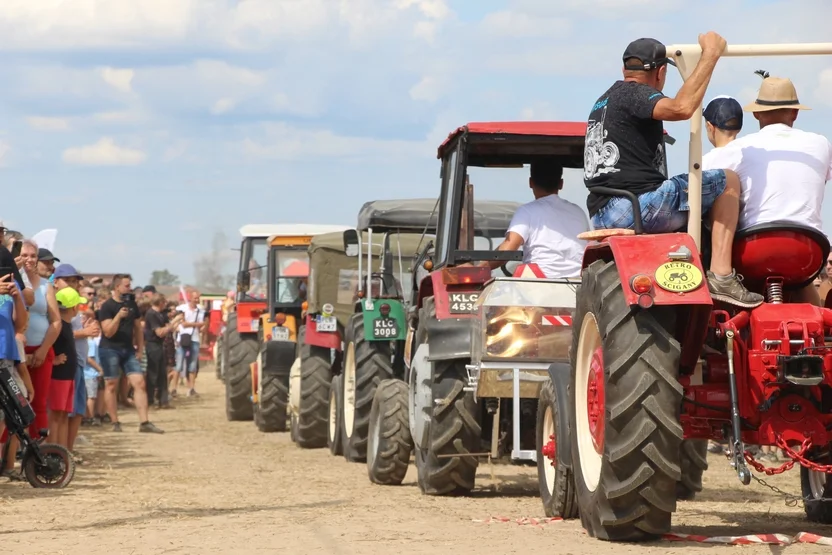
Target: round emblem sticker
<point x="679" y="277"/>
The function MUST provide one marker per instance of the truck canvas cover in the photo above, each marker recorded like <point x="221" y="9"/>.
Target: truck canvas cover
<point x="415" y="214"/>
<point x="333" y="276"/>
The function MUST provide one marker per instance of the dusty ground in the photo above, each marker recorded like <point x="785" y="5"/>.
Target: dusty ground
<point x="210" y="486"/>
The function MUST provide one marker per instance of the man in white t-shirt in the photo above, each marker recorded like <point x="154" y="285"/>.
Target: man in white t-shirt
<point x="187" y="340"/>
<point x="783" y="171"/>
<point x="547" y="228"/>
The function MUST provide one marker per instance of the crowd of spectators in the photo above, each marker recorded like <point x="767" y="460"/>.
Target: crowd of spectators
<point x="80" y="350"/>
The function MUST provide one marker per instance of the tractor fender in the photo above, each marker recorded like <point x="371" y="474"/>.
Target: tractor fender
<point x="449" y="338"/>
<point x="559" y="373"/>
<point x="278" y="357"/>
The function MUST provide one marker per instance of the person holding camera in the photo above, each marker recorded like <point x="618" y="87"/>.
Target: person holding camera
<point x="157" y="327"/>
<point x="122" y="344"/>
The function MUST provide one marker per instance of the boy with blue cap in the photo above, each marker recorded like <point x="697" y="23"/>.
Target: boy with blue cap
<point x="723" y="122"/>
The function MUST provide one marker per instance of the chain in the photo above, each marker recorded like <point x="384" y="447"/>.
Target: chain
<point x="790" y="499"/>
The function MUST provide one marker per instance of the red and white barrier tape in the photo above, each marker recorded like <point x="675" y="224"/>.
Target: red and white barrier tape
<point x="752" y="539"/>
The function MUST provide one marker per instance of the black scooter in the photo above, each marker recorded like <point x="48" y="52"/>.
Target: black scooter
<point x="45" y="465"/>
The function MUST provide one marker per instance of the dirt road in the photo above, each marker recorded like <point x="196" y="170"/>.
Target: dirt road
<point x="211" y="486"/>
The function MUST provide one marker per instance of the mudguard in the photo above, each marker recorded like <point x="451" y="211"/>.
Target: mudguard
<point x="559" y="373"/>
<point x="278" y="357"/>
<point x="449" y="338"/>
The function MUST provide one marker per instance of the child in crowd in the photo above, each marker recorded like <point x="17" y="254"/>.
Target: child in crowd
<point x="62" y="387"/>
<point x="93" y="374"/>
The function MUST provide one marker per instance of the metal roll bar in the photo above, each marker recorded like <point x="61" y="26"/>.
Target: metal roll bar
<point x="686" y="57"/>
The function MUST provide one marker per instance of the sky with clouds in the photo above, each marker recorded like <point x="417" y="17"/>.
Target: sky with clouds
<point x="139" y="128"/>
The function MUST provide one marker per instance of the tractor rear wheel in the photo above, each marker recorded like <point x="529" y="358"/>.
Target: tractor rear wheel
<point x="389" y="444"/>
<point x="625" y="402"/>
<point x="366" y="364"/>
<point x="694" y="463"/>
<point x="313" y="410"/>
<point x="242" y="351"/>
<point x="557" y="484"/>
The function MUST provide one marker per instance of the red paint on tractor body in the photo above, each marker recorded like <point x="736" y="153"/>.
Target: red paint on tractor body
<point x="325" y="339"/>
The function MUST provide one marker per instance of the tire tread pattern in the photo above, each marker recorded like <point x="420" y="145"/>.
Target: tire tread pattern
<point x="242" y="351"/>
<point x="395" y="444"/>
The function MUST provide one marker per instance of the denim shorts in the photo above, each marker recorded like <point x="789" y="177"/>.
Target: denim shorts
<point x="114" y="360"/>
<point x="193" y="365"/>
<point x="664" y="210"/>
<point x="79" y="403"/>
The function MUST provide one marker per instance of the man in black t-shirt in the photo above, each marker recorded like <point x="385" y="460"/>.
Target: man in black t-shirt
<point x="625" y="150"/>
<point x="156" y="328"/>
<point x="121" y="347"/>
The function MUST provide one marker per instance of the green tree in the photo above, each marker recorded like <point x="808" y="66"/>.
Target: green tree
<point x="163" y="278"/>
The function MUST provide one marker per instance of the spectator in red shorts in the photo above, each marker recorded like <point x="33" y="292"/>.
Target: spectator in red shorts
<point x="44" y="327"/>
<point x="62" y="389"/>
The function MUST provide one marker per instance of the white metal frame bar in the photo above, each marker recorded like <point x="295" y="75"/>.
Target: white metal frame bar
<point x="686" y="57"/>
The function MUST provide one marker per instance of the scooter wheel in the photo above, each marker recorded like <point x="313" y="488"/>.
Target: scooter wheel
<point x="57" y="470"/>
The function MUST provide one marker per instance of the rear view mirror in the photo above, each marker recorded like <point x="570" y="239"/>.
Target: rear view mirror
<point x="351" y="242"/>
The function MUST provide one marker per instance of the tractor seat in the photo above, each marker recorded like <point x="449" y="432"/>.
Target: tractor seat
<point x="793" y="252"/>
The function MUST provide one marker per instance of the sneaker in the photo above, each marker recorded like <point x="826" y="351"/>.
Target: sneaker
<point x="167" y="406"/>
<point x="731" y="290"/>
<point x="714" y="447"/>
<point x="96" y="421"/>
<point x="150" y="428"/>
<point x="193" y="393"/>
<point x="116" y="426"/>
<point x="106" y="419"/>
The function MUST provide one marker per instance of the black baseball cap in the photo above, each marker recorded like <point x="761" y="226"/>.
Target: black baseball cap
<point x="149" y="289"/>
<point x="722" y="110"/>
<point x="45" y="255"/>
<point x="650" y="52"/>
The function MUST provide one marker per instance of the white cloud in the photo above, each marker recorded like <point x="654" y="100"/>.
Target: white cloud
<point x="119" y="79"/>
<point x="223" y="105"/>
<point x="521" y="25"/>
<point x="285" y="142"/>
<point x="429" y="89"/>
<point x="48" y="123"/>
<point x="104" y="153"/>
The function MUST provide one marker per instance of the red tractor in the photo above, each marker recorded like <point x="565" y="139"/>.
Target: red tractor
<point x="655" y="363"/>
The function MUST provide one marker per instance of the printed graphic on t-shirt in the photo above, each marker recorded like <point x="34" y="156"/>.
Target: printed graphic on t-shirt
<point x="600" y="155"/>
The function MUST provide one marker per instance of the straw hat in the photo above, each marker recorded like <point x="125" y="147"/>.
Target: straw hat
<point x="776" y="93"/>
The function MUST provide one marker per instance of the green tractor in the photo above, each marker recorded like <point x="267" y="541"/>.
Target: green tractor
<point x="392" y="233"/>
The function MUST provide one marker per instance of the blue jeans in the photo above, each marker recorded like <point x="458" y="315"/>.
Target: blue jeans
<point x="113" y="360"/>
<point x="664" y="210"/>
<point x="193" y="363"/>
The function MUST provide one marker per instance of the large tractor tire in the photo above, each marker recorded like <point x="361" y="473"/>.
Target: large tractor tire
<point x="447" y="432"/>
<point x="218" y="356"/>
<point x="242" y="351"/>
<point x="336" y="399"/>
<point x="270" y="412"/>
<point x="625" y="402"/>
<point x="366" y="364"/>
<point x="555" y="478"/>
<point x="694" y="462"/>
<point x="313" y="411"/>
<point x="390" y="444"/>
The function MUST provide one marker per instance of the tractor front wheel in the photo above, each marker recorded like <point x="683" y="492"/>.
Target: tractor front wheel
<point x="557" y="484"/>
<point x="694" y="463"/>
<point x="366" y="364"/>
<point x="625" y="402"/>
<point x="816" y="488"/>
<point x="389" y="445"/>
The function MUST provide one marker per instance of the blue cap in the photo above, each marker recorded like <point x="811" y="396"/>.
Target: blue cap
<point x="67" y="270"/>
<point x="722" y="110"/>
